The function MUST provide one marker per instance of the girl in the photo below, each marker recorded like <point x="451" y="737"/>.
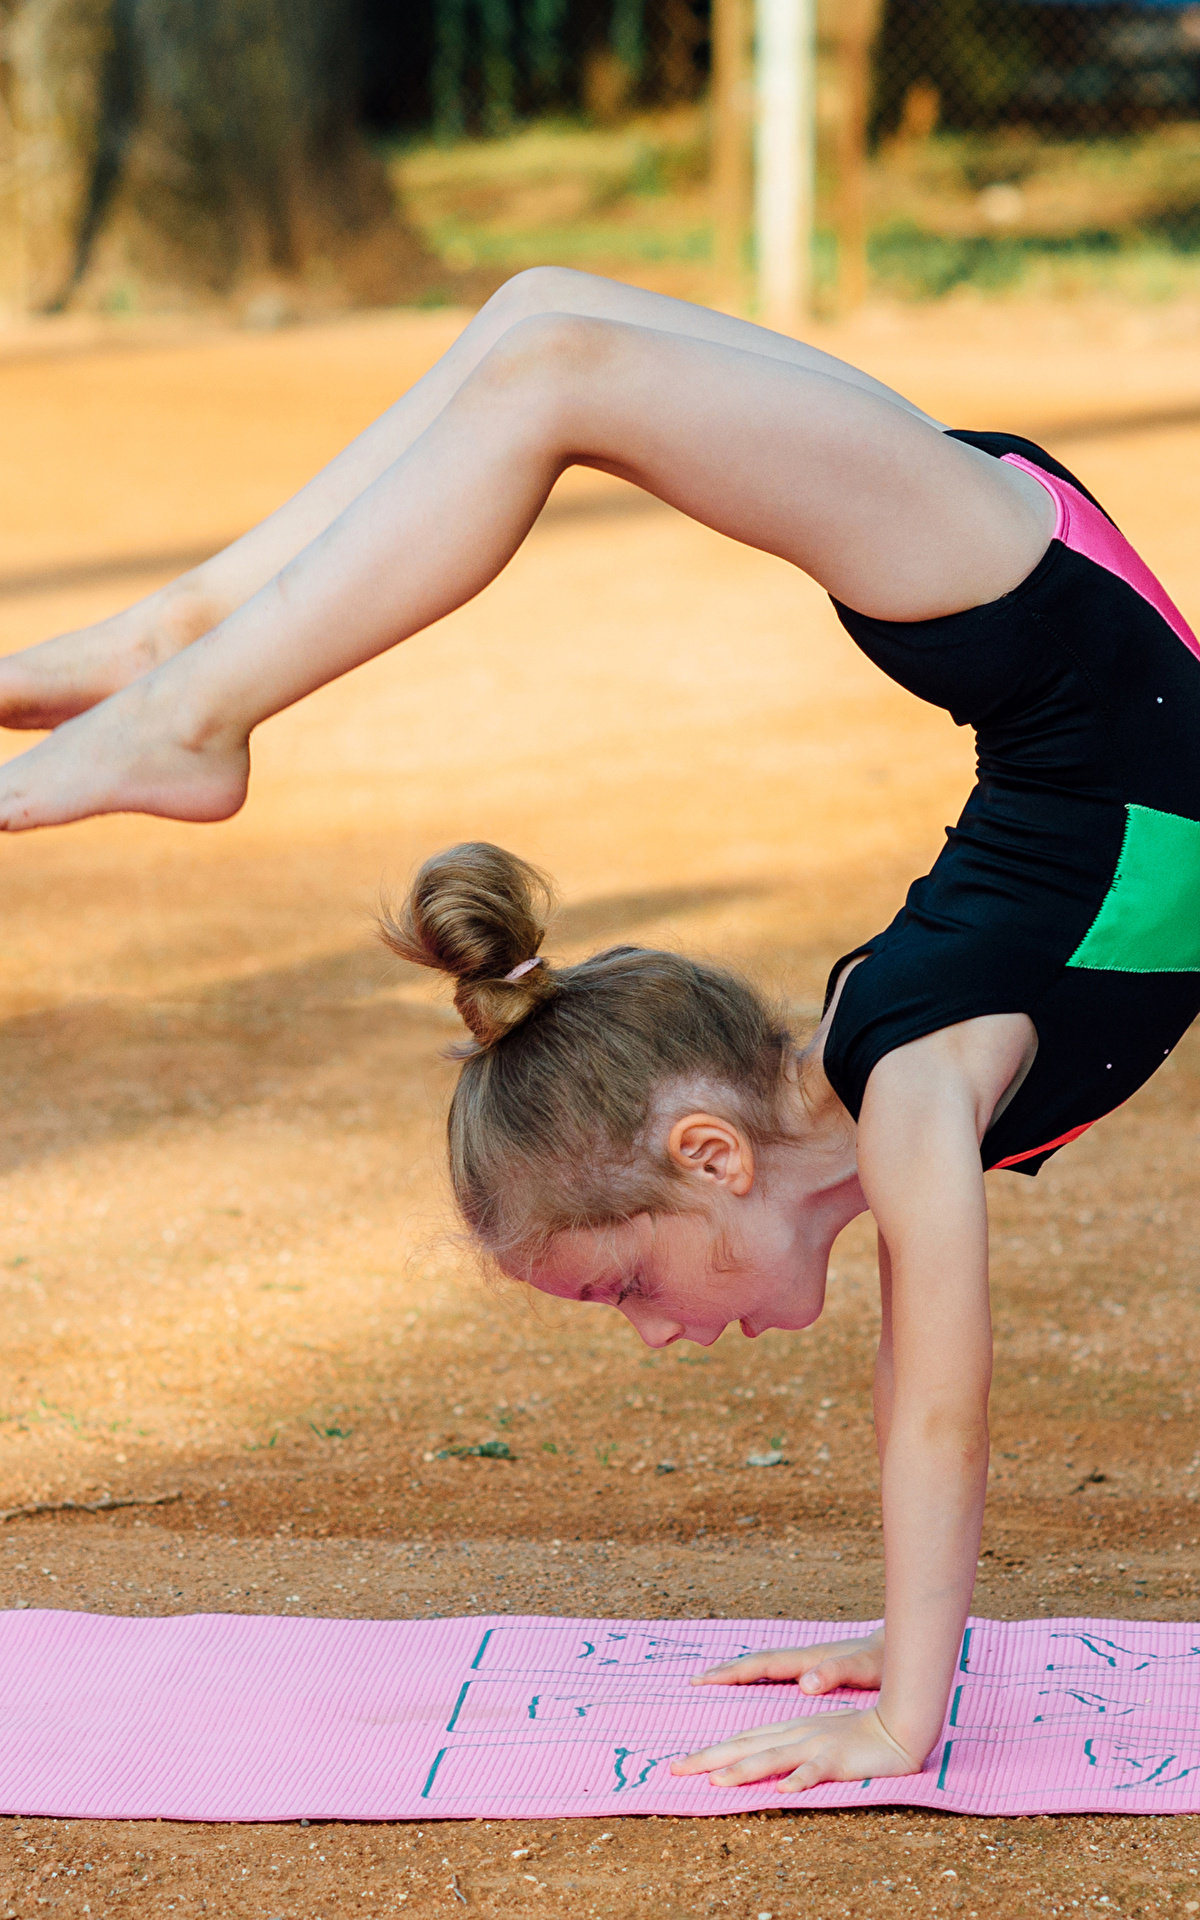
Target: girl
<point x="638" y="1130"/>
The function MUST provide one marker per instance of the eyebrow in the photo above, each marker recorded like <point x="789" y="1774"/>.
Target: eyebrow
<point x="593" y="1287"/>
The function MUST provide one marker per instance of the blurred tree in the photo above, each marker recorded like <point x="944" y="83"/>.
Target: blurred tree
<point x="626" y="34"/>
<point x="547" y="51"/>
<point x="494" y="62"/>
<point x="219" y="145"/>
<point x="53" y="51"/>
<point x="458" y="51"/>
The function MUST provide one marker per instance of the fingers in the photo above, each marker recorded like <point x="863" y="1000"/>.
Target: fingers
<point x="792" y="1663"/>
<point x="775" y="1756"/>
<point x="782" y="1663"/>
<point x="848" y="1745"/>
<point x="823" y="1678"/>
<point x="755" y="1740"/>
<point x="765" y="1765"/>
<point x="726" y="1768"/>
<point x="807" y="1775"/>
<point x="843" y="1670"/>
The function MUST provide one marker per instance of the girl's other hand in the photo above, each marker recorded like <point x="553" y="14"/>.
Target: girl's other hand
<point x="841" y="1663"/>
<point x="822" y="1746"/>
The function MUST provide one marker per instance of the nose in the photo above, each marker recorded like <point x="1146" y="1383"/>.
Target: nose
<point x="653" y="1328"/>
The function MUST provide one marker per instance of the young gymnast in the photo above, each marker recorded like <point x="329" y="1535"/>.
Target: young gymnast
<point x="639" y="1130"/>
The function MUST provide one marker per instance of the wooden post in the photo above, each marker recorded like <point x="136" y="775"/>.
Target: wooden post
<point x="12" y="202"/>
<point x="732" y="117"/>
<point x="854" y="26"/>
<point x="785" y="145"/>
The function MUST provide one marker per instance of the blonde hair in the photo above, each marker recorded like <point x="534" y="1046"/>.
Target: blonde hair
<point x="551" y="1122"/>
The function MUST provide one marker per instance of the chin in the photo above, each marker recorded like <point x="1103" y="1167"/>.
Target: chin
<point x="791" y="1323"/>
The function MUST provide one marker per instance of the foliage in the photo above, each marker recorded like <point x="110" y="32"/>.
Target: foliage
<point x="217" y="140"/>
<point x="484" y="66"/>
<point x="995" y="210"/>
<point x="608" y="198"/>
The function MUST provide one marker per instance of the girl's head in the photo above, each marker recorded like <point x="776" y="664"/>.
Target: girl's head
<point x="597" y="1100"/>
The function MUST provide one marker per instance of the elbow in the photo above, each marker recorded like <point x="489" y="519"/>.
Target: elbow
<point x="961" y="1439"/>
<point x="956" y="1431"/>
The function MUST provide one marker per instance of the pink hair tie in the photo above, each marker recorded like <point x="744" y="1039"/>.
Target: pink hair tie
<point x="525" y="967"/>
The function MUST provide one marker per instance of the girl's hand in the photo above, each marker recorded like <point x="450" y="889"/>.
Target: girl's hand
<point x="842" y="1663"/>
<point x="822" y="1746"/>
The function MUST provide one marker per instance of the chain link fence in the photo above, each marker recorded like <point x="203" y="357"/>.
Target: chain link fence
<point x="957" y="139"/>
<point x="981" y="141"/>
<point x="1012" y="139"/>
<point x="1067" y="70"/>
<point x="455" y="68"/>
<point x="1077" y="68"/>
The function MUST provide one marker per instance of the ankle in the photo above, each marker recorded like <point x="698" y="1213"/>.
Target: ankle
<point x="185" y="611"/>
<point x="180" y="701"/>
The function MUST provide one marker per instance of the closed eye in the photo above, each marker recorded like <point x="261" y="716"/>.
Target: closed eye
<point x="610" y="1293"/>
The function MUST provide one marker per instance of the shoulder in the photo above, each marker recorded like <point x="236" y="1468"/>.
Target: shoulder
<point x="970" y="1069"/>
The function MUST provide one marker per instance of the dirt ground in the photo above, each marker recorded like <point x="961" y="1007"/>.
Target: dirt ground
<point x="227" y="1266"/>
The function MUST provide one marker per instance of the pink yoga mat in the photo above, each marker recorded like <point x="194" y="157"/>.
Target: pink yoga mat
<point x="233" y="1717"/>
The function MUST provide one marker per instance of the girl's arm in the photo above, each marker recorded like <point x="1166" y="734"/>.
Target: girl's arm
<point x="926" y="1109"/>
<point x="920" y="1171"/>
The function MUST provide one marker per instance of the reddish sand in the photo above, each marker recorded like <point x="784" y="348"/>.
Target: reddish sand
<point x="227" y="1264"/>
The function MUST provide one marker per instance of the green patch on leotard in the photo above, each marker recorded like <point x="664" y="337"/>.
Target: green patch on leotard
<point x="1149" y="920"/>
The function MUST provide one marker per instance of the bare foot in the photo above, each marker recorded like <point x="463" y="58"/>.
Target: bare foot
<point x="44" y="685"/>
<point x="130" y="754"/>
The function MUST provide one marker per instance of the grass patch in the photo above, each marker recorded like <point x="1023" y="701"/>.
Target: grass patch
<point x="999" y="213"/>
<point x="564" y="191"/>
<point x="1010" y="210"/>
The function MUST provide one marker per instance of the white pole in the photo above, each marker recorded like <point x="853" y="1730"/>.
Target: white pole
<point x="784" y="154"/>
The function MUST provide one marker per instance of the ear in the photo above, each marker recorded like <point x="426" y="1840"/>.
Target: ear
<point x="712" y="1150"/>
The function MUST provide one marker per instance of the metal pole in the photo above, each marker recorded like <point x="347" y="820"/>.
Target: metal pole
<point x="785" y="160"/>
<point x="732" y="110"/>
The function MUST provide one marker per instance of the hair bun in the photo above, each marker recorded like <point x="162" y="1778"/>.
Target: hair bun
<point x="476" y="912"/>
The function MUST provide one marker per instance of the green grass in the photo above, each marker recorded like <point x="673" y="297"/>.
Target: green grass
<point x="601" y="197"/>
<point x="1121" y="215"/>
<point x="914" y="264"/>
<point x="1009" y="211"/>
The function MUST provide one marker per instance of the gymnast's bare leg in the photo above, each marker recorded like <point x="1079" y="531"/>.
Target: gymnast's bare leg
<point x="46" y="684"/>
<point x="860" y="491"/>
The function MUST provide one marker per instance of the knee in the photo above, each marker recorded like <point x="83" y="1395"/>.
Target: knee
<point x="551" y="351"/>
<point x="536" y="290"/>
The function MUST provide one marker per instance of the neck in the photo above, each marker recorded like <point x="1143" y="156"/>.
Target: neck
<point x="821" y="1154"/>
<point x="816" y="1117"/>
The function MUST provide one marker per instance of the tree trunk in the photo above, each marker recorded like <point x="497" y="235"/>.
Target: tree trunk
<point x="201" y="147"/>
<point x="850" y="32"/>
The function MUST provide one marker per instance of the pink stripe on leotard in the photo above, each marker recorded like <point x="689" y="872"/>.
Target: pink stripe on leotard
<point x="1084" y="529"/>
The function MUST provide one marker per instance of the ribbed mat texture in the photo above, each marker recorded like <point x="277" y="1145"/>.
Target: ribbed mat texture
<point x="232" y="1717"/>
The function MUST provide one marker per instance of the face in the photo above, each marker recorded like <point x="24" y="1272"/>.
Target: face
<point x="674" y="1277"/>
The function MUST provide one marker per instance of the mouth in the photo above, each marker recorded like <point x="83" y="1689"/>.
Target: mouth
<point x="700" y="1338"/>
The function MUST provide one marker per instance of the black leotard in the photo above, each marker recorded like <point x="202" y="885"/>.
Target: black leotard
<point x="1070" y="888"/>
